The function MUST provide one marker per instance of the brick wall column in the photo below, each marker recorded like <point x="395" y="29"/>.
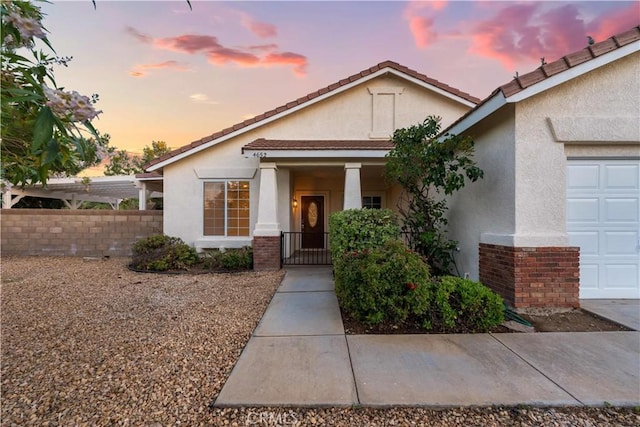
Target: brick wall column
<point x="532" y="277"/>
<point x="266" y="253"/>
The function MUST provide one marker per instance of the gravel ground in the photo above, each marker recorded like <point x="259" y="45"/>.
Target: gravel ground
<point x="92" y="343"/>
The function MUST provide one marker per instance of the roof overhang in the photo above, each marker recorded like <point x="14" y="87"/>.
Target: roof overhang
<point x="292" y="110"/>
<point x="314" y="154"/>
<point x="498" y="100"/>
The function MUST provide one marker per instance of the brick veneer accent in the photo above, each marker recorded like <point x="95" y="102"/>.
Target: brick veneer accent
<point x="75" y="232"/>
<point x="266" y="253"/>
<point x="532" y="277"/>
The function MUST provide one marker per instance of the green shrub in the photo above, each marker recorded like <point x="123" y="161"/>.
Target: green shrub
<point x="384" y="284"/>
<point x="359" y="229"/>
<point x="229" y="259"/>
<point x="463" y="305"/>
<point x="161" y="253"/>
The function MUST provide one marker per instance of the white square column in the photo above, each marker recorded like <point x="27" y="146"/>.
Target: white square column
<point x="352" y="190"/>
<point x="268" y="224"/>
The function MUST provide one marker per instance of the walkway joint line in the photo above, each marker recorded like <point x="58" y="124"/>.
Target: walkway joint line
<point x="353" y="372"/>
<point x="536" y="369"/>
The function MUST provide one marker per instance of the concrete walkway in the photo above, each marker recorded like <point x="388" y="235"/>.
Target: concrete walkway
<point x="300" y="356"/>
<point x="626" y="312"/>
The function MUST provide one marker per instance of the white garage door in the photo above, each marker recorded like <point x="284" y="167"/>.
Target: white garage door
<point x="603" y="218"/>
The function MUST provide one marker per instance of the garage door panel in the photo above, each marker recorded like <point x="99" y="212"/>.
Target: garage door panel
<point x="621" y="276"/>
<point x="621" y="176"/>
<point x="583" y="177"/>
<point x="587" y="240"/>
<point x="583" y="210"/>
<point x="603" y="219"/>
<point x="621" y="209"/>
<point x="589" y="274"/>
<point x="621" y="243"/>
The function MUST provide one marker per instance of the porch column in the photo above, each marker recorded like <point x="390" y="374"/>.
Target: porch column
<point x="266" y="235"/>
<point x="143" y="193"/>
<point x="6" y="198"/>
<point x="352" y="191"/>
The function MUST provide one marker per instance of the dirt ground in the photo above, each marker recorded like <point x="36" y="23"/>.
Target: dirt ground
<point x="575" y="320"/>
<point x="90" y="343"/>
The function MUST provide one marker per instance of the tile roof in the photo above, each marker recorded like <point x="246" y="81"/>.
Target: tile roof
<point x="559" y="66"/>
<point x="569" y="61"/>
<point x="312" y="95"/>
<point x="278" y="144"/>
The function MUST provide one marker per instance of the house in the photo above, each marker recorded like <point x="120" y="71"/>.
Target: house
<point x="554" y="219"/>
<point x="286" y="170"/>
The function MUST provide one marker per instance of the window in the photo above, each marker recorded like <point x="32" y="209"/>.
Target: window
<point x="226" y="208"/>
<point x="372" y="202"/>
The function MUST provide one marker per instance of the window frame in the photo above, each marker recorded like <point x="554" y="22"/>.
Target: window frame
<point x="225" y="183"/>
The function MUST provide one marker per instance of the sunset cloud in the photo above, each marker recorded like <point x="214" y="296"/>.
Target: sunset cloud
<point x="141" y="70"/>
<point x="421" y="26"/>
<point x="520" y="34"/>
<point x="217" y="54"/>
<point x="615" y="21"/>
<point x="299" y="62"/>
<point x="260" y="29"/>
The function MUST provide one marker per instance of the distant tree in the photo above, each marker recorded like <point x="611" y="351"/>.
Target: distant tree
<point x="123" y="163"/>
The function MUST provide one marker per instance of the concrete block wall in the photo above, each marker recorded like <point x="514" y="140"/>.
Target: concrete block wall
<point x="75" y="232"/>
<point x="532" y="277"/>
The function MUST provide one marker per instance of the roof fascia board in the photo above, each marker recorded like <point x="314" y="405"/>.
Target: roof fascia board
<point x="431" y="87"/>
<point x="314" y="154"/>
<point x="480" y="113"/>
<point x="575" y="71"/>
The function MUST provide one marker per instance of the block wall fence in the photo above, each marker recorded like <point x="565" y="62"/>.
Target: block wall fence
<point x="75" y="232"/>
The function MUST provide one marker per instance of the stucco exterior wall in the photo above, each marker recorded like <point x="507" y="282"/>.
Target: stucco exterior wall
<point x="607" y="95"/>
<point x="521" y="202"/>
<point x="484" y="210"/>
<point x="348" y="115"/>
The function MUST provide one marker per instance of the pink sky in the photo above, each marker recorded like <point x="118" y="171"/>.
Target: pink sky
<point x="164" y="72"/>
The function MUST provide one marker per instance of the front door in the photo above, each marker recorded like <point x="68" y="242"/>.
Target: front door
<point x="313" y="222"/>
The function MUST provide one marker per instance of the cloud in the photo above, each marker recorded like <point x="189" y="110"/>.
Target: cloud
<point x="202" y="99"/>
<point x="520" y="34"/>
<point x="138" y="35"/>
<point x="422" y="27"/>
<point x="299" y="62"/>
<point x="217" y="54"/>
<point x="261" y="29"/>
<point x="188" y="43"/>
<point x="613" y="22"/>
<point x="140" y="70"/>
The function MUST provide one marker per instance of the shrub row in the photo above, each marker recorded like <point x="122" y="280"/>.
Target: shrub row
<point x="379" y="280"/>
<point x="165" y="253"/>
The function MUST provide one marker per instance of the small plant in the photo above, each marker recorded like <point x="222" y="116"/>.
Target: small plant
<point x="385" y="284"/>
<point x="228" y="259"/>
<point x="161" y="253"/>
<point x="463" y="305"/>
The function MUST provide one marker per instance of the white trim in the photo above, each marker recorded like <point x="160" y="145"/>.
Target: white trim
<point x="225" y="182"/>
<point x="479" y="114"/>
<point x="314" y="154"/>
<point x="499" y="100"/>
<point x="277" y="116"/>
